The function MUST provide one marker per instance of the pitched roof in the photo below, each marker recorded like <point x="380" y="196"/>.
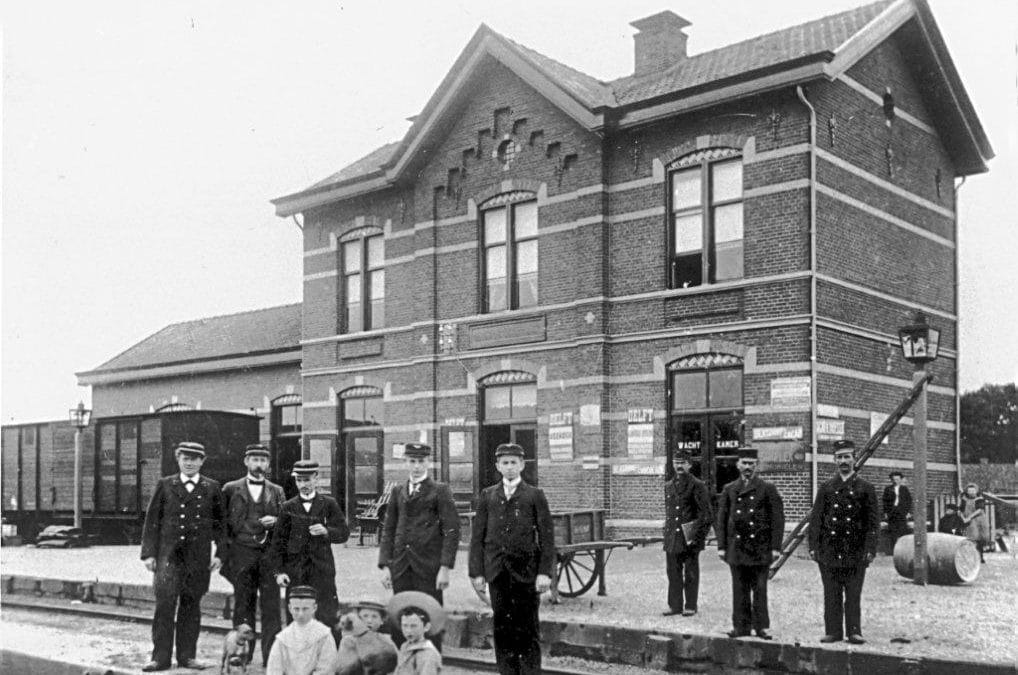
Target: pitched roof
<point x="258" y="331"/>
<point x="833" y="42"/>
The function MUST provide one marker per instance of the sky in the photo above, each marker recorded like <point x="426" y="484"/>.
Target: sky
<point x="143" y="141"/>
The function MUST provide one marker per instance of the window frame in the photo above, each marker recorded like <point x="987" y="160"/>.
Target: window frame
<point x="707" y="209"/>
<point x="364" y="273"/>
<point x="511" y="244"/>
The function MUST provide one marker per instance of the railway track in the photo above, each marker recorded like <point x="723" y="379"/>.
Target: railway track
<point x="450" y="657"/>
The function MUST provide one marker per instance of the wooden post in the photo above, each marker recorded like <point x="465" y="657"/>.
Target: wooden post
<point x="77" y="477"/>
<point x="921" y="565"/>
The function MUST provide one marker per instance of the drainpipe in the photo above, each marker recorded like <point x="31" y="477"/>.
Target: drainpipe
<point x="814" y="398"/>
<point x="957" y="339"/>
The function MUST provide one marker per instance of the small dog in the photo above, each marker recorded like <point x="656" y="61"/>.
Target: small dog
<point x="238" y="648"/>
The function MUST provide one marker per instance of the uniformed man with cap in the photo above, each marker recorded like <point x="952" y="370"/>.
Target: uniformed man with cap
<point x="750" y="526"/>
<point x="421" y="533"/>
<point x="253" y="504"/>
<point x="688" y="517"/>
<point x="512" y="552"/>
<point x="301" y="549"/>
<point x="843" y="530"/>
<point x="184" y="517"/>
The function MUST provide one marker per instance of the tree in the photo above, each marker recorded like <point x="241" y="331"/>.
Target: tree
<point x="989" y="424"/>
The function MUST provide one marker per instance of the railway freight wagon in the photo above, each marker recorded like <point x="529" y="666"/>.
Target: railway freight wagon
<point x="122" y="458"/>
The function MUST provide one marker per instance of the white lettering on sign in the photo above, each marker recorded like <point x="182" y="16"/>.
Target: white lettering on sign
<point x="777" y="433"/>
<point x="824" y="410"/>
<point x="688" y="445"/>
<point x="727" y="444"/>
<point x="790" y="392"/>
<point x="455" y="421"/>
<point x="639" y="415"/>
<point x="830" y="430"/>
<point x="560" y="419"/>
<point x="560" y="442"/>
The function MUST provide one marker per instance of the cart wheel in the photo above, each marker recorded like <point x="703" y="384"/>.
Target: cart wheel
<point x="577" y="572"/>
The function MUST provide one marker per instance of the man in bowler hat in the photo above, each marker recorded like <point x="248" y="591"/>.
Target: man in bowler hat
<point x="183" y="519"/>
<point x="512" y="552"/>
<point x="897" y="505"/>
<point x="688" y="516"/>
<point x="421" y="533"/>
<point x="253" y="504"/>
<point x="750" y="526"/>
<point x="843" y="528"/>
<point x="301" y="549"/>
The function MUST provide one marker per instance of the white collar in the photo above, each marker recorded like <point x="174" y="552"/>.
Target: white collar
<point x="306" y="499"/>
<point x="418" y="482"/>
<point x="194" y="479"/>
<point x="512" y="484"/>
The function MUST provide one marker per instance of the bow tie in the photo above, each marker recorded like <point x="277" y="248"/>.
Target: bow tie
<point x="255" y="482"/>
<point x="190" y="482"/>
<point x="306" y="501"/>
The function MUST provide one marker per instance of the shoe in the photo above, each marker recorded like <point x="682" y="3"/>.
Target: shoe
<point x="856" y="639"/>
<point x="764" y="635"/>
<point x="193" y="664"/>
<point x="153" y="666"/>
<point x="671" y="612"/>
<point x="830" y="638"/>
<point x="737" y="633"/>
<point x="689" y="612"/>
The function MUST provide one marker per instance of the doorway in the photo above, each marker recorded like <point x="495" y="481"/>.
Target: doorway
<point x="523" y="435"/>
<point x="359" y="482"/>
<point x="509" y="405"/>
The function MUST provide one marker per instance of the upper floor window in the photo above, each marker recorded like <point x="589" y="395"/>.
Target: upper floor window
<point x="705" y="233"/>
<point x="363" y="261"/>
<point x="510" y="256"/>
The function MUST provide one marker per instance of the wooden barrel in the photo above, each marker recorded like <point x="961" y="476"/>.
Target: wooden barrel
<point x="951" y="559"/>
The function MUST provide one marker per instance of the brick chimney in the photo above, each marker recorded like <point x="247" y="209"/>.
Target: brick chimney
<point x="660" y="42"/>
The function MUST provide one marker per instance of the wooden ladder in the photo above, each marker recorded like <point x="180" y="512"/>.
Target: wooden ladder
<point x="795" y="538"/>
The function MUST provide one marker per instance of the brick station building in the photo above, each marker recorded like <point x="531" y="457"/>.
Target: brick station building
<point x="716" y="249"/>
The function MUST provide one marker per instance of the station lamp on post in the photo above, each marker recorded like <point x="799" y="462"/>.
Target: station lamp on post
<point x="80" y="418"/>
<point x="919" y="345"/>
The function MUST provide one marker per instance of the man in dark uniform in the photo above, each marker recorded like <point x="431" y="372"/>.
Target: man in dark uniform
<point x="512" y="550"/>
<point x="301" y="549"/>
<point x="688" y="516"/>
<point x="421" y="533"/>
<point x="750" y="526"/>
<point x="843" y="527"/>
<point x="253" y="504"/>
<point x="897" y="505"/>
<point x="184" y="517"/>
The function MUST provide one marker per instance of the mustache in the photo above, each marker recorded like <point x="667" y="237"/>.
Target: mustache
<point x="257" y="471"/>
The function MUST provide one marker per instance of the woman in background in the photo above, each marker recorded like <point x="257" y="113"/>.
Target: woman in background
<point x="973" y="513"/>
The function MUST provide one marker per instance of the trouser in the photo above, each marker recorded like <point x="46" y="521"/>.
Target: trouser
<point x="179" y="588"/>
<point x="897" y="527"/>
<point x="517" y="625"/>
<point x="683" y="579"/>
<point x="411" y="580"/>
<point x="842" y="592"/>
<point x="749" y="597"/>
<point x="254" y="583"/>
<point x="323" y="580"/>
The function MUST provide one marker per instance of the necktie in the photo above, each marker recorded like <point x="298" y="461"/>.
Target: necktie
<point x="413" y="488"/>
<point x="895" y="495"/>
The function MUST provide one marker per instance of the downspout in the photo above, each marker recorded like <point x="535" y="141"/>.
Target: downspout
<point x="433" y="436"/>
<point x="814" y="397"/>
<point x="957" y="339"/>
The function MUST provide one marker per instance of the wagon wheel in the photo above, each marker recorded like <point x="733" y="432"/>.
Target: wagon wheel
<point x="577" y="572"/>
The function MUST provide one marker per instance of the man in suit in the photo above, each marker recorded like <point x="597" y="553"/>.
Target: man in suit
<point x="301" y="549"/>
<point x="897" y="505"/>
<point x="421" y="533"/>
<point x="688" y="515"/>
<point x="512" y="551"/>
<point x="253" y="504"/>
<point x="843" y="528"/>
<point x="183" y="519"/>
<point x="750" y="526"/>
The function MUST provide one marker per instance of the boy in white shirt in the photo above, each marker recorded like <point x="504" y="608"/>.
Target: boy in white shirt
<point x="306" y="646"/>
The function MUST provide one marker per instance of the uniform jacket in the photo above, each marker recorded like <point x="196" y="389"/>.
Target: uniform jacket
<point x="292" y="544"/>
<point x="242" y="530"/>
<point x="420" y="533"/>
<point x="188" y="521"/>
<point x="904" y="503"/>
<point x="750" y="522"/>
<point x="844" y="523"/>
<point x="515" y="535"/>
<point x="686" y="500"/>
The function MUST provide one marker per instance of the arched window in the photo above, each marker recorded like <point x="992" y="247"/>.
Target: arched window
<point x="705" y="232"/>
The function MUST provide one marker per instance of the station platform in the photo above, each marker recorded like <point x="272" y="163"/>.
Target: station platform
<point x="935" y="629"/>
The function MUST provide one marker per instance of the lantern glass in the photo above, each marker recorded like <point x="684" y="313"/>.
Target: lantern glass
<point x="80" y="416"/>
<point x="919" y="343"/>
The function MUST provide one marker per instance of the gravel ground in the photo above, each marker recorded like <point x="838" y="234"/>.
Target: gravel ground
<point x="972" y="623"/>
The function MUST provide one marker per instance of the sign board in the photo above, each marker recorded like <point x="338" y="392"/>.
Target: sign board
<point x="830" y="430"/>
<point x="790" y="392"/>
<point x="591" y="462"/>
<point x="560" y="442"/>
<point x="825" y="410"/>
<point x="777" y="433"/>
<point x="398" y="450"/>
<point x="638" y="415"/>
<point x="590" y="415"/>
<point x="457" y="444"/>
<point x="455" y="421"/>
<point x="640" y="440"/>
<point x="876" y="419"/>
<point x="560" y="419"/>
